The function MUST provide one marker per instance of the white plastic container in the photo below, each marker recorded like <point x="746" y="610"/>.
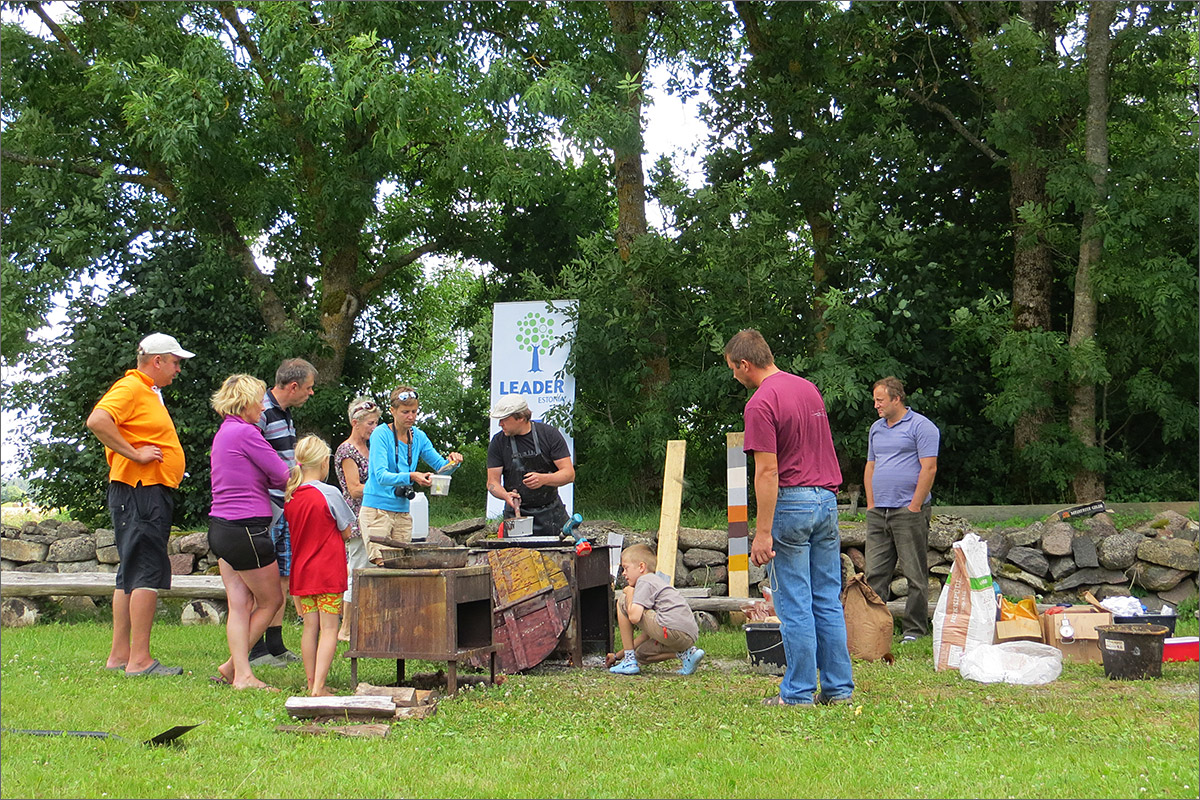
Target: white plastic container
<point x="419" y="508"/>
<point x="440" y="486"/>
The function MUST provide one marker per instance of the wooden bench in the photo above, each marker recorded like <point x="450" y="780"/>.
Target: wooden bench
<point x="101" y="584"/>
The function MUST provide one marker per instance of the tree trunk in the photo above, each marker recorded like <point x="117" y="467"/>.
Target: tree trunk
<point x="1088" y="484"/>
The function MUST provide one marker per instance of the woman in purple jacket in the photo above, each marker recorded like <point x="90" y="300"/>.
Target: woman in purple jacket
<point x="244" y="467"/>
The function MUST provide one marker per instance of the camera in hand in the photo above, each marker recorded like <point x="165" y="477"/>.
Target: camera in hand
<point x="405" y="491"/>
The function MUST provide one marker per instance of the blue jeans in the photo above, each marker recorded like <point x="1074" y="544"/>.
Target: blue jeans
<point x="806" y="578"/>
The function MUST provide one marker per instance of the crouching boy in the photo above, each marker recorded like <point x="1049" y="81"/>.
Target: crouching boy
<point x="668" y="628"/>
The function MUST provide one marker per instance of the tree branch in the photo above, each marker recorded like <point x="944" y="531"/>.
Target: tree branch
<point x="372" y="284"/>
<point x="158" y="184"/>
<point x="59" y="34"/>
<point x="974" y="140"/>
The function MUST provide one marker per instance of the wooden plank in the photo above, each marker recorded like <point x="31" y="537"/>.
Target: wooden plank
<point x="737" y="484"/>
<point x="363" y="730"/>
<point x="405" y="696"/>
<point x="100" y="584"/>
<point x="672" y="500"/>
<point x="351" y="705"/>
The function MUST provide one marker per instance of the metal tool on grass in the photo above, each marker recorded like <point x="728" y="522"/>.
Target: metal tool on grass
<point x="166" y="737"/>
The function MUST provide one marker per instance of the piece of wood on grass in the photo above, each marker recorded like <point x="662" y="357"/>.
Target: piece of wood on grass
<point x="365" y="730"/>
<point x="339" y="706"/>
<point x="405" y="696"/>
<point x="416" y="712"/>
<point x="672" y="500"/>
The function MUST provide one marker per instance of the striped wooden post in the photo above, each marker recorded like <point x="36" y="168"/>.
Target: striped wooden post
<point x="739" y="532"/>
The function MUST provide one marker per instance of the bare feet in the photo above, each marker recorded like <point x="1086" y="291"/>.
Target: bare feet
<point x="255" y="683"/>
<point x="226" y="672"/>
<point x="343" y="637"/>
<point x="324" y="691"/>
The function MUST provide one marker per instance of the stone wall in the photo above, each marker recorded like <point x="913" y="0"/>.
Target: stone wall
<point x="1051" y="559"/>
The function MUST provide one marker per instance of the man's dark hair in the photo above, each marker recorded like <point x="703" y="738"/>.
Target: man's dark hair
<point x="294" y="370"/>
<point x="749" y="345"/>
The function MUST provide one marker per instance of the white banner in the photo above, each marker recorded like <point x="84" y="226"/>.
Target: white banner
<point x="530" y="345"/>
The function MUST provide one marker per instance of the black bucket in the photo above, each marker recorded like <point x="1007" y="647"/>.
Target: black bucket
<point x="765" y="645"/>
<point x="1132" y="652"/>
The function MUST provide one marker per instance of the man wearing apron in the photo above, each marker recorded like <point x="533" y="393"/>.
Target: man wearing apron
<point x="527" y="462"/>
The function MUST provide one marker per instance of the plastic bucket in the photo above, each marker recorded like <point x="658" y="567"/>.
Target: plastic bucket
<point x="765" y="646"/>
<point x="440" y="486"/>
<point x="1132" y="652"/>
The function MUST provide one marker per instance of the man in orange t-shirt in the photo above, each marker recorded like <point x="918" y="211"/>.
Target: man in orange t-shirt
<point x="145" y="466"/>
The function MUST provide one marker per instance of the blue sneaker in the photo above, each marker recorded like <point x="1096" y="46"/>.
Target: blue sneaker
<point x="691" y="658"/>
<point x="626" y="666"/>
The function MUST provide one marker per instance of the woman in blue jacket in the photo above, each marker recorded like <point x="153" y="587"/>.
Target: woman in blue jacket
<point x="392" y="473"/>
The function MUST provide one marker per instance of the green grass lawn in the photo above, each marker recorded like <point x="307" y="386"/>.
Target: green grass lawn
<point x="561" y="732"/>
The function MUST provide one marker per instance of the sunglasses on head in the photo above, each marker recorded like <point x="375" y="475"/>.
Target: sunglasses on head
<point x="406" y="396"/>
<point x="365" y="406"/>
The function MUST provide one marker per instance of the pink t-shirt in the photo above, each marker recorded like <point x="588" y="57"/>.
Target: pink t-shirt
<point x="786" y="416"/>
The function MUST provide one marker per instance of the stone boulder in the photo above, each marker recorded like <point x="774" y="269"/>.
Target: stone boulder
<point x="1119" y="551"/>
<point x="860" y="562"/>
<point x="1184" y="590"/>
<point x="78" y="605"/>
<point x="181" y="563"/>
<point x="1170" y="523"/>
<point x="464" y="528"/>
<point x="702" y="557"/>
<point x="703" y="538"/>
<point x="1030" y="560"/>
<point x="898" y="588"/>
<point x="75" y="548"/>
<point x="10" y="532"/>
<point x="706" y="576"/>
<point x="1014" y="573"/>
<point x="1013" y="588"/>
<point x="105" y="538"/>
<point x="1100" y="526"/>
<point x="1027" y="537"/>
<point x="1056" y="539"/>
<point x="1156" y="578"/>
<point x="91" y="565"/>
<point x="945" y="530"/>
<point x="848" y="570"/>
<point x="73" y="527"/>
<point x="1061" y="567"/>
<point x="195" y="543"/>
<point x="1090" y="577"/>
<point x="998" y="543"/>
<point x="1083" y="551"/>
<point x="38" y="566"/>
<point x="1180" y="554"/>
<point x="22" y="551"/>
<point x="18" y="612"/>
<point x="757" y="574"/>
<point x="852" y="534"/>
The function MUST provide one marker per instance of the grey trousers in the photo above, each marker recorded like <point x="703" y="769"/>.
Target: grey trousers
<point x="899" y="534"/>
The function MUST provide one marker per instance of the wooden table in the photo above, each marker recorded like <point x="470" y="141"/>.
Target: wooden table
<point x="427" y="614"/>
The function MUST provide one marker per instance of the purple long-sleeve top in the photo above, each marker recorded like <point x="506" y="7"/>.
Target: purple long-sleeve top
<point x="244" y="467"/>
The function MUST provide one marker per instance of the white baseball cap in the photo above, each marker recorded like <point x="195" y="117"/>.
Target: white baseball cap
<point x="513" y="404"/>
<point x="161" y="343"/>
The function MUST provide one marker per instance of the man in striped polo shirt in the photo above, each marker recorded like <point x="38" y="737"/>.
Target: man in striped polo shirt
<point x="293" y="386"/>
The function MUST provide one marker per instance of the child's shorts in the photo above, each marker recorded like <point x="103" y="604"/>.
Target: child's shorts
<point x="330" y="603"/>
<point x="662" y="640"/>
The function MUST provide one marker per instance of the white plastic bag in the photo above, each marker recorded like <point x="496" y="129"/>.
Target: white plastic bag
<point x="1024" y="663"/>
<point x="966" y="611"/>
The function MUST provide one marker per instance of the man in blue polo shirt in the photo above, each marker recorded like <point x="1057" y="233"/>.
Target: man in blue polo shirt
<point x="902" y="450"/>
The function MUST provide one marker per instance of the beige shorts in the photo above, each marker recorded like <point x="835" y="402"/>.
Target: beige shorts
<point x="396" y="525"/>
<point x="662" y="640"/>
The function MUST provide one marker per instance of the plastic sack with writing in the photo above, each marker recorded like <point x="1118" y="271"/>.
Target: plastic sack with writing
<point x="1024" y="663"/>
<point x="966" y="611"/>
<point x="1026" y="609"/>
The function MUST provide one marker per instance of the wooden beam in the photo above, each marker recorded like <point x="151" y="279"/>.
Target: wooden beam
<point x="100" y="584"/>
<point x="738" y="514"/>
<point x="672" y="500"/>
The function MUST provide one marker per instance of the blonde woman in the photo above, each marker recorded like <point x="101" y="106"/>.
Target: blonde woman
<point x="319" y="521"/>
<point x="395" y="451"/>
<point x="244" y="468"/>
<point x="350" y="464"/>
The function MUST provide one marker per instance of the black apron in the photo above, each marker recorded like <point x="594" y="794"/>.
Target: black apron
<point x="543" y="504"/>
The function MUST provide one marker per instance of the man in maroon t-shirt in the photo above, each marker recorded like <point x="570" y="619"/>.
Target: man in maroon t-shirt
<point x="796" y="474"/>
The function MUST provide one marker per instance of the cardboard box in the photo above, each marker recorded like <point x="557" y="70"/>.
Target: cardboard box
<point x="1019" y="630"/>
<point x="1085" y="647"/>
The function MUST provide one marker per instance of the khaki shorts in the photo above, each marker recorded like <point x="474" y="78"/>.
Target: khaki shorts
<point x="396" y="525"/>
<point x="662" y="640"/>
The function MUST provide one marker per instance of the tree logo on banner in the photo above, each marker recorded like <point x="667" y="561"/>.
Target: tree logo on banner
<point x="535" y="332"/>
